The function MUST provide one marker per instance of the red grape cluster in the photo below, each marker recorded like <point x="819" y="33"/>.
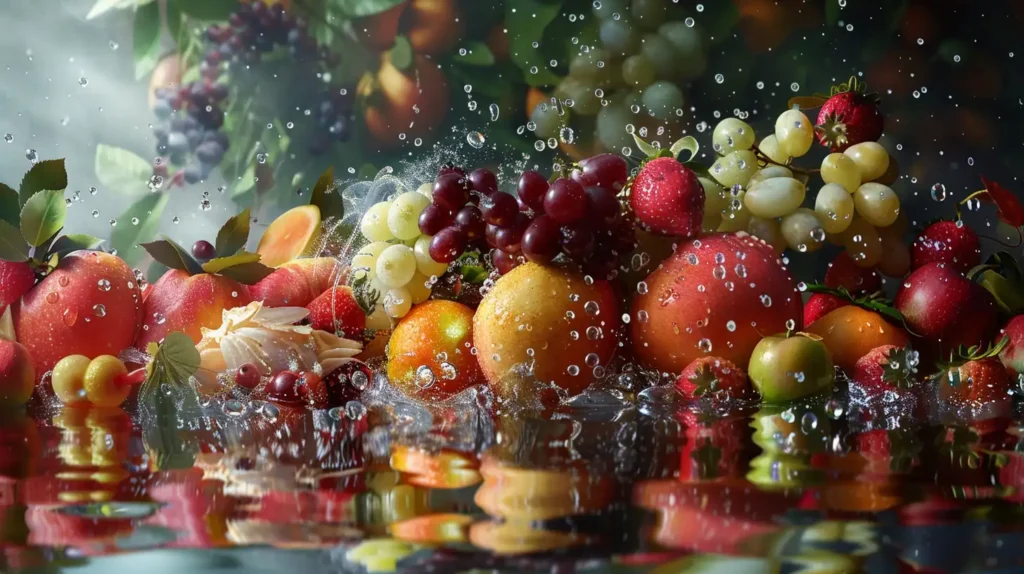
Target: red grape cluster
<point x="579" y="216"/>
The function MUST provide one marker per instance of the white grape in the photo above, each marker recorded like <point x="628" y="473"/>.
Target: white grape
<point x="716" y="201"/>
<point x="840" y="168"/>
<point x="732" y="134"/>
<point x="834" y="206"/>
<point x="397" y="302"/>
<point x="365" y="260"/>
<point x="768" y="230"/>
<point x="378" y="320"/>
<point x="862" y="243"/>
<point x="769" y="172"/>
<point x="374" y="224"/>
<point x="736" y="216"/>
<point x="418" y="288"/>
<point x="871" y="158"/>
<point x="396" y="266"/>
<point x="735" y="169"/>
<point x="877" y="203"/>
<point x="775" y="197"/>
<point x="424" y="263"/>
<point x="426" y="190"/>
<point x="404" y="215"/>
<point x="794" y="132"/>
<point x="770" y="147"/>
<point x="803" y="231"/>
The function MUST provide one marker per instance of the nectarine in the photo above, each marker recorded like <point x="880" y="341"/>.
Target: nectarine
<point x="17" y="375"/>
<point x="429" y="352"/>
<point x="298" y="282"/>
<point x="180" y="302"/>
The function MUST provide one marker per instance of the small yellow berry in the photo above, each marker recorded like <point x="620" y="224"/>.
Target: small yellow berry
<point x="103" y="381"/>
<point x="67" y="379"/>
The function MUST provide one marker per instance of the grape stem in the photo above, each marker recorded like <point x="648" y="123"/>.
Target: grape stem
<point x="764" y="156"/>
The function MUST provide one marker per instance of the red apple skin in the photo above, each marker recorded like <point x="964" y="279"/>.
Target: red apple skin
<point x="1012" y="356"/>
<point x="180" y="302"/>
<point x="61" y="315"/>
<point x="15" y="280"/>
<point x="689" y="299"/>
<point x="17" y="374"/>
<point x="297" y="283"/>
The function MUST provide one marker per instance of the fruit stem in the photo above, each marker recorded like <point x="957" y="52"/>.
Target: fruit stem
<point x="136" y="377"/>
<point x="763" y="156"/>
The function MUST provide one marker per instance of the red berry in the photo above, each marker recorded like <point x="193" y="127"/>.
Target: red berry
<point x="499" y="209"/>
<point x="667" y="198"/>
<point x="434" y="218"/>
<point x="504" y="262"/>
<point x="946" y="242"/>
<point x="282" y="388"/>
<point x="713" y="376"/>
<point x="885" y="368"/>
<point x="484" y="181"/>
<point x="844" y="273"/>
<point x="606" y="170"/>
<point x="313" y="390"/>
<point x="821" y="304"/>
<point x="203" y="250"/>
<point x="509" y="239"/>
<point x="577" y="240"/>
<point x="602" y="205"/>
<point x="471" y="222"/>
<point x="451" y="191"/>
<point x="541" y="240"/>
<point x="532" y="187"/>
<point x="447" y="245"/>
<point x="849" y="118"/>
<point x="337" y="310"/>
<point x="450" y="168"/>
<point x="247" y="376"/>
<point x="565" y="201"/>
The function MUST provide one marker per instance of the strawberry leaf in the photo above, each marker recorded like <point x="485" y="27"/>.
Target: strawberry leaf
<point x="651" y="151"/>
<point x="43" y="216"/>
<point x="233" y="235"/>
<point x="173" y="255"/>
<point x="366" y="297"/>
<point x="900" y="367"/>
<point x="249" y="273"/>
<point x="705" y="381"/>
<point x="326" y="197"/>
<point x="707" y="458"/>
<point x="49" y="174"/>
<point x="219" y="264"/>
<point x="67" y="243"/>
<point x="10" y="206"/>
<point x="12" y="245"/>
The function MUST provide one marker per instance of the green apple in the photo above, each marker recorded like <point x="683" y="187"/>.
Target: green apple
<point x="786" y="367"/>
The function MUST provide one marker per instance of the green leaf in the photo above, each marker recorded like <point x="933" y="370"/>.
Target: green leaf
<point x="326" y="197"/>
<point x="67" y="243"/>
<point x="526" y="21"/>
<point x="401" y="54"/>
<point x="247" y="273"/>
<point x="688" y="143"/>
<point x="12" y="244"/>
<point x="49" y="174"/>
<point x="175" y="19"/>
<point x="477" y="54"/>
<point x="137" y="224"/>
<point x="219" y="264"/>
<point x="233" y="235"/>
<point x="207" y="9"/>
<point x="146" y="39"/>
<point x="122" y="170"/>
<point x="43" y="216"/>
<point x="1008" y="294"/>
<point x="171" y="254"/>
<point x="648" y="149"/>
<point x="360" y="8"/>
<point x="10" y="207"/>
<point x="155" y="271"/>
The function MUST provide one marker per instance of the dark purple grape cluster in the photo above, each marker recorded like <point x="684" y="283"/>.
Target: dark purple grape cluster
<point x="579" y="216"/>
<point x="194" y="114"/>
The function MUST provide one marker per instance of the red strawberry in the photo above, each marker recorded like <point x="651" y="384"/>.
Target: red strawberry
<point x="667" y="198"/>
<point x="821" y="304"/>
<point x="337" y="310"/>
<point x="886" y="368"/>
<point x="849" y="118"/>
<point x="15" y="280"/>
<point x="945" y="308"/>
<point x="844" y="272"/>
<point x="712" y="376"/>
<point x="1013" y="355"/>
<point x="977" y="383"/>
<point x="950" y="243"/>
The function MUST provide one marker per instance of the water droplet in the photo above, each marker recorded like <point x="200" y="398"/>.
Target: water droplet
<point x="690" y="22"/>
<point x="83" y="81"/>
<point x="99" y="310"/>
<point x="159" y="319"/>
<point x="234" y="408"/>
<point x="8" y="138"/>
<point x="425" y="377"/>
<point x="261" y="157"/>
<point x="32" y="156"/>
<point x="704" y="345"/>
<point x="103" y="284"/>
<point x="719" y="78"/>
<point x="70" y="317"/>
<point x="592" y="308"/>
<point x="113" y="45"/>
<point x="476" y="139"/>
<point x="939" y="192"/>
<point x="52" y="297"/>
<point x="731" y="326"/>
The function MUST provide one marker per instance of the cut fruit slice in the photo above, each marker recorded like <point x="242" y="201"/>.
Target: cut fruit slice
<point x="289" y="236"/>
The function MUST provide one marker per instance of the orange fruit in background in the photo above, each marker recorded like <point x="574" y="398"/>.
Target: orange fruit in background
<point x="850" y="332"/>
<point x="379" y="30"/>
<point x="433" y="26"/>
<point x="429" y="354"/>
<point x="397" y="102"/>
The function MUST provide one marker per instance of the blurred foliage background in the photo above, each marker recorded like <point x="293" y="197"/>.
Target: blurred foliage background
<point x="415" y="82"/>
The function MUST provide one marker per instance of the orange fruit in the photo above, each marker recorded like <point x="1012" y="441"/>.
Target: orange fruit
<point x="850" y="332"/>
<point x="429" y="354"/>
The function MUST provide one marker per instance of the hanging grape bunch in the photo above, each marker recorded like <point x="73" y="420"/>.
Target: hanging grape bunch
<point x="245" y="59"/>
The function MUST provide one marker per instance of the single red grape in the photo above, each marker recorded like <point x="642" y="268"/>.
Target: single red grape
<point x="541" y="240"/>
<point x="471" y="222"/>
<point x="509" y="239"/>
<point x="504" y="262"/>
<point x="450" y="168"/>
<point x="434" y="218"/>
<point x="577" y="240"/>
<point x="484" y="181"/>
<point x="447" y="245"/>
<point x="565" y="201"/>
<point x="499" y="209"/>
<point x="602" y="205"/>
<point x="491" y="234"/>
<point x="532" y="187"/>
<point x="282" y="388"/>
<point x="203" y="250"/>
<point x="451" y="191"/>
<point x="606" y="170"/>
<point x="313" y="390"/>
<point x="247" y="376"/>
